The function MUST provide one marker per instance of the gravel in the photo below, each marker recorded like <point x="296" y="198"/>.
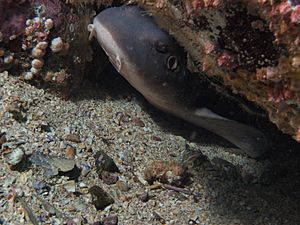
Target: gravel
<point x="111" y="117"/>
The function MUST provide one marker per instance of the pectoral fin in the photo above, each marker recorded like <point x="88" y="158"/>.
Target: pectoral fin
<point x="252" y="141"/>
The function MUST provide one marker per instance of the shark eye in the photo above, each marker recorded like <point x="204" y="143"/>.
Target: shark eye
<point x="172" y="63"/>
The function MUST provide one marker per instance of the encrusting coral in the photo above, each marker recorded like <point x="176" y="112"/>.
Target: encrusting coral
<point x="252" y="46"/>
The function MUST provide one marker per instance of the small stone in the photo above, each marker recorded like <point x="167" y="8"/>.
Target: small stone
<point x="105" y="163"/>
<point x="51" y="164"/>
<point x="100" y="198"/>
<point x="144" y="197"/>
<point x="166" y="172"/>
<point x="109" y="178"/>
<point x="122" y="186"/>
<point x="69" y="186"/>
<point x="138" y="122"/>
<point x="14" y="156"/>
<point x="110" y="220"/>
<point x="73" y="137"/>
<point x="85" y="169"/>
<point x="156" y="138"/>
<point x="2" y="139"/>
<point x="70" y="152"/>
<point x="45" y="127"/>
<point x="157" y="217"/>
<point x="82" y="185"/>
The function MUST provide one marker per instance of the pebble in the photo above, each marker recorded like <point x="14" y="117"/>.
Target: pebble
<point x="169" y="172"/>
<point x="15" y="156"/>
<point x="100" y="198"/>
<point x="2" y="139"/>
<point x="60" y="113"/>
<point x="144" y="197"/>
<point x="122" y="186"/>
<point x="138" y="122"/>
<point x="82" y="185"/>
<point x="73" y="138"/>
<point x="69" y="186"/>
<point x="70" y="152"/>
<point x="105" y="163"/>
<point x="110" y="220"/>
<point x="85" y="169"/>
<point x="109" y="178"/>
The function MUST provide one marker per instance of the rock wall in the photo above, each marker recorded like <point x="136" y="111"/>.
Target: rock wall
<point x="251" y="46"/>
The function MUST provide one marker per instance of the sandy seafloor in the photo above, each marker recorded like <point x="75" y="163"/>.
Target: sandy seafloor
<point x="104" y="115"/>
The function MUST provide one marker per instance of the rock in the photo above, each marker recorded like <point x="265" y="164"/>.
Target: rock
<point x="138" y="122"/>
<point x="73" y="137"/>
<point x="2" y="139"/>
<point x="166" y="172"/>
<point x="105" y="163"/>
<point x="109" y="178"/>
<point x="122" y="186"/>
<point x="100" y="198"/>
<point x="14" y="156"/>
<point x="70" y="152"/>
<point x="110" y="220"/>
<point x="144" y="197"/>
<point x="17" y="108"/>
<point x="85" y="169"/>
<point x="45" y="127"/>
<point x="69" y="186"/>
<point x="52" y="164"/>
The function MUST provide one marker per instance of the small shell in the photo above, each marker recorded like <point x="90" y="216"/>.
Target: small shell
<point x="57" y="45"/>
<point x="37" y="52"/>
<point x="42" y="45"/>
<point x="48" y="24"/>
<point x="37" y="63"/>
<point x="8" y="59"/>
<point x="28" y="76"/>
<point x="34" y="71"/>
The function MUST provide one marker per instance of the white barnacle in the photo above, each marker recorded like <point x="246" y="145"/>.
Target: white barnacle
<point x="37" y="52"/>
<point x="28" y="76"/>
<point x="57" y="44"/>
<point x="49" y="24"/>
<point x="37" y="63"/>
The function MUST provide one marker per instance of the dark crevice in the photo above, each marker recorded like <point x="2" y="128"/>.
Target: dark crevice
<point x="249" y="39"/>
